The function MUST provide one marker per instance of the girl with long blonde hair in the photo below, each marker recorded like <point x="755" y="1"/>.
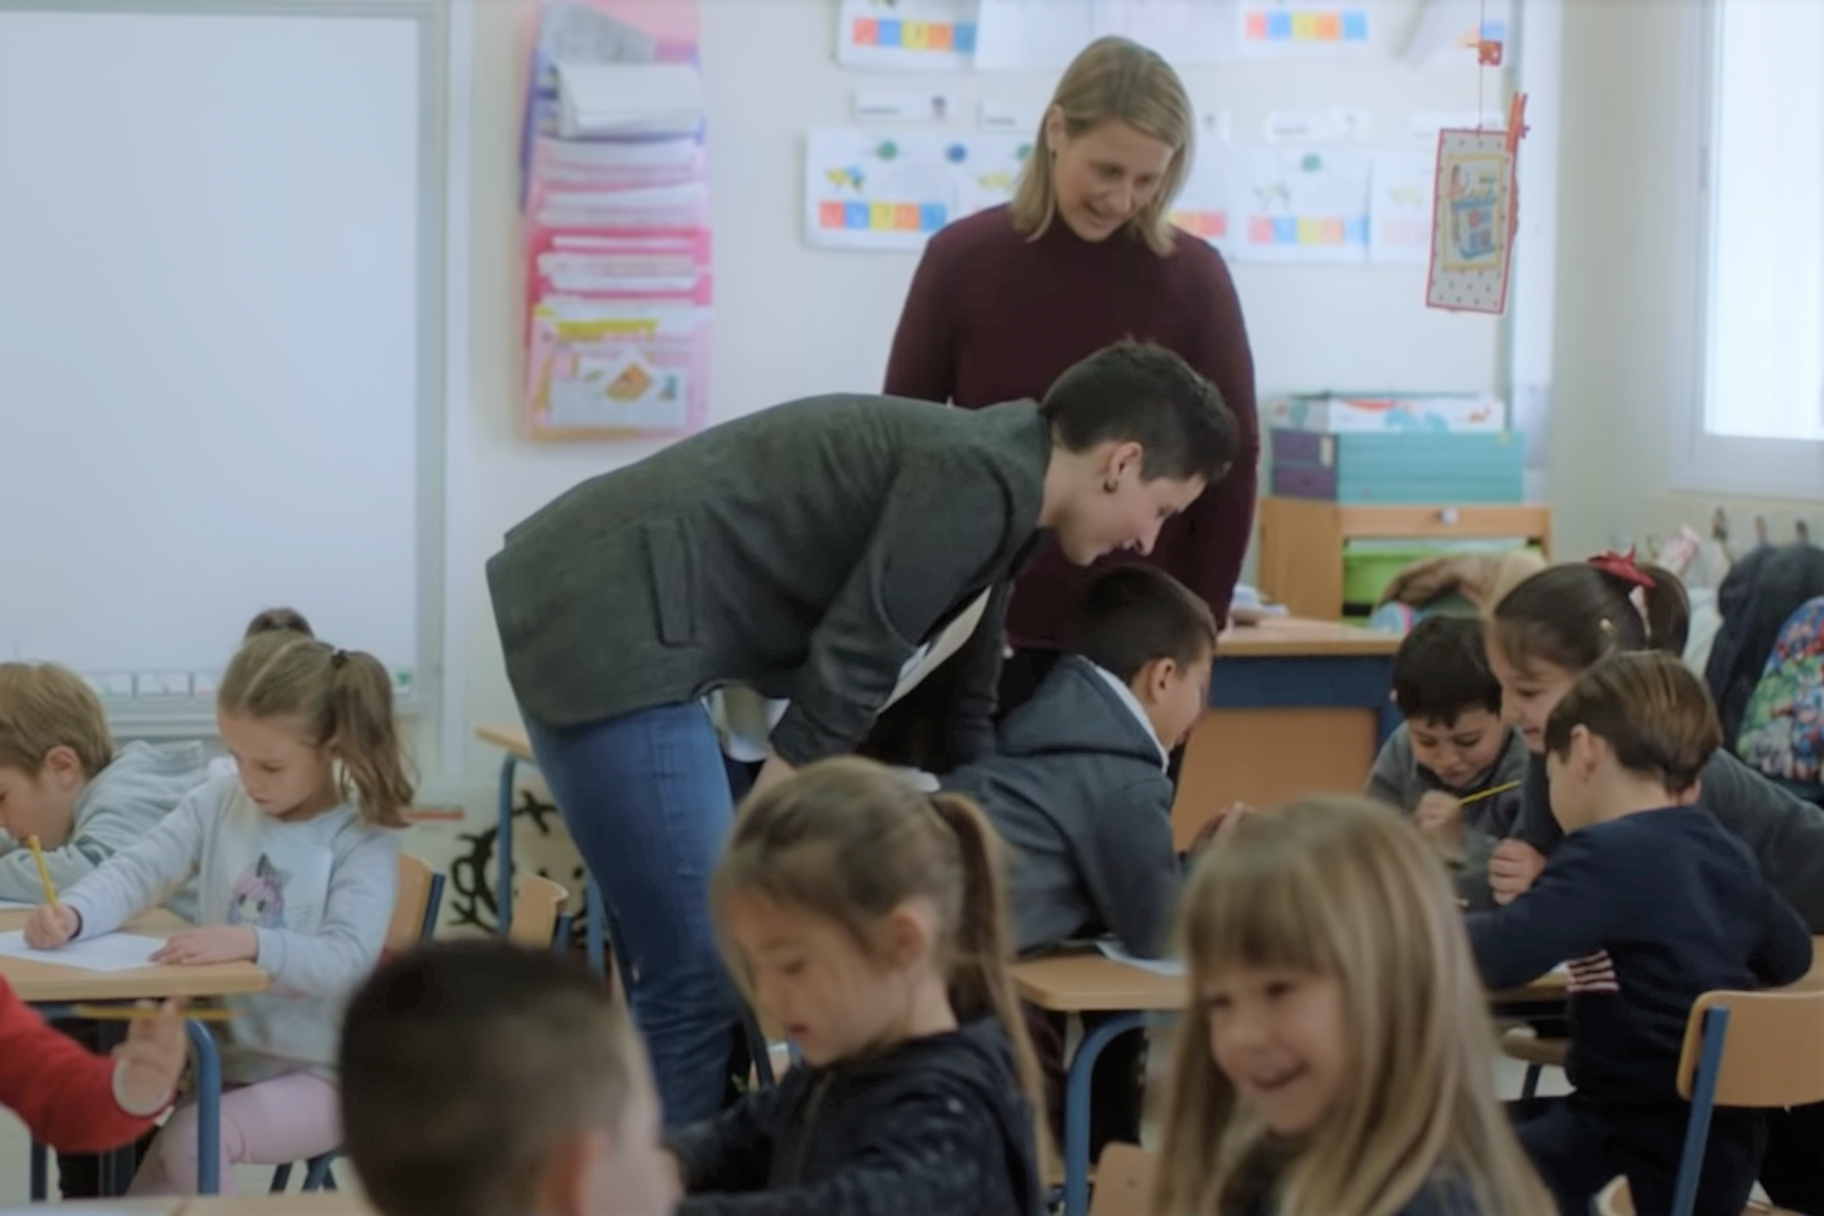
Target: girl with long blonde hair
<point x="1336" y="1054"/>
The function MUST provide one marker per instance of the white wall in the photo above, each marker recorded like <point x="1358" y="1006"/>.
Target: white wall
<point x="1618" y="363"/>
<point x="790" y="321"/>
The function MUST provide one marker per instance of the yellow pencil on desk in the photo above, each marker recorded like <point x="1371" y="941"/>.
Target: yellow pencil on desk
<point x="1490" y="793"/>
<point x="44" y="871"/>
<point x="134" y="1013"/>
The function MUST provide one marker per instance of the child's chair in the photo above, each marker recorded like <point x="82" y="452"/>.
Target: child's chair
<point x="1124" y="1181"/>
<point x="1761" y="1050"/>
<point x="538" y="907"/>
<point x="414" y="921"/>
<point x="1538" y="1054"/>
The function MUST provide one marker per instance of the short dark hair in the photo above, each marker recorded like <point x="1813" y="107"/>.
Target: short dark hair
<point x="1441" y="670"/>
<point x="464" y="1064"/>
<point x="1140" y="393"/>
<point x="1649" y="707"/>
<point x="1134" y="614"/>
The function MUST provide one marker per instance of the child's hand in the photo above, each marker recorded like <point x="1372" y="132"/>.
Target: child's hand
<point x="215" y="944"/>
<point x="152" y="1059"/>
<point x="49" y="928"/>
<point x="1219" y="825"/>
<point x="1512" y="869"/>
<point x="1440" y="817"/>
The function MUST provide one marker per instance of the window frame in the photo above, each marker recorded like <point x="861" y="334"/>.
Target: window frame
<point x="1701" y="460"/>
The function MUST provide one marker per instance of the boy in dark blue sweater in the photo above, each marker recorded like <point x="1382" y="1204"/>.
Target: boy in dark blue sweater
<point x="1653" y="903"/>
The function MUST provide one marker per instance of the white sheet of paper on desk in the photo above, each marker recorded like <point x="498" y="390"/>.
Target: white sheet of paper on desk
<point x="109" y="952"/>
<point x="1172" y="967"/>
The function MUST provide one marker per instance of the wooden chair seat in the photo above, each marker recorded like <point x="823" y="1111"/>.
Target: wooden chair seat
<point x="1524" y="1044"/>
<point x="1616" y="1201"/>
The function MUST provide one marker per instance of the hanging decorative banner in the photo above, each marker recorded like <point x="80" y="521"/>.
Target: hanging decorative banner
<point x="1475" y="216"/>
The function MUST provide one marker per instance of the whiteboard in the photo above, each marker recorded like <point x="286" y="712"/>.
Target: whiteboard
<point x="219" y="335"/>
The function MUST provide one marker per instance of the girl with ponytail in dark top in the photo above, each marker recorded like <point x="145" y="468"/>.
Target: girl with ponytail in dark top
<point x="867" y="919"/>
<point x="1546" y="633"/>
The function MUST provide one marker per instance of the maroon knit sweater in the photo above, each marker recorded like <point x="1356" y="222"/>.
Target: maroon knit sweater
<point x="993" y="316"/>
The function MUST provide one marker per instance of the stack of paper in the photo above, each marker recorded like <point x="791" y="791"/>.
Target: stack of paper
<point x="622" y="99"/>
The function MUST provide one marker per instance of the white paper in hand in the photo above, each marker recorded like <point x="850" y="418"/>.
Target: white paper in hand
<point x="109" y="952"/>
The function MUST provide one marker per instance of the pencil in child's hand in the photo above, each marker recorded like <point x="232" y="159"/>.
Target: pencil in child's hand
<point x="133" y="1013"/>
<point x="1489" y="793"/>
<point x="44" y="871"/>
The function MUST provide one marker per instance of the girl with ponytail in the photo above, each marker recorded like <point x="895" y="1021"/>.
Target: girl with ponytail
<point x="296" y="870"/>
<point x="1557" y="625"/>
<point x="867" y="919"/>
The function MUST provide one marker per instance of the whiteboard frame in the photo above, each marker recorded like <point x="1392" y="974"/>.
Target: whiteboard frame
<point x="188" y="719"/>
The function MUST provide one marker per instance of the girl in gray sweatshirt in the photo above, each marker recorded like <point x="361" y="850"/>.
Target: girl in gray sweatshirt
<point x="296" y="871"/>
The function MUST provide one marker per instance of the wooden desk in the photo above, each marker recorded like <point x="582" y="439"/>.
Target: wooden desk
<point x="48" y="984"/>
<point x="44" y="983"/>
<point x="516" y="750"/>
<point x="1296" y="707"/>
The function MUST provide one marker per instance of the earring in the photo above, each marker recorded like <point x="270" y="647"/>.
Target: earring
<point x="1110" y="485"/>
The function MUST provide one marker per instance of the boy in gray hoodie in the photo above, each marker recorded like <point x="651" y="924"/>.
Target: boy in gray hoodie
<point x="1078" y="790"/>
<point x="63" y="781"/>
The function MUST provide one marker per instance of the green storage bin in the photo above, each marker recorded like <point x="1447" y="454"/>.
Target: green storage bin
<point x="1368" y="566"/>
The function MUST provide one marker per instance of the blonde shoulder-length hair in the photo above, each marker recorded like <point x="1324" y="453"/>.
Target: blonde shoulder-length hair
<point x="1343" y="888"/>
<point x="1112" y="80"/>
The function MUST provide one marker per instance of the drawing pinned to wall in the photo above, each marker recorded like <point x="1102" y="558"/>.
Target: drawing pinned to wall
<point x="900" y="35"/>
<point x="1399" y="211"/>
<point x="988" y="170"/>
<point x="1301" y="205"/>
<point x="1285" y="28"/>
<point x="1461" y="30"/>
<point x="1474" y="217"/>
<point x="879" y="191"/>
<point x="1049" y="33"/>
<point x="1184" y="31"/>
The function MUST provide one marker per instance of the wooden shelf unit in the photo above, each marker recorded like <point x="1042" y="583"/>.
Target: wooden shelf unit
<point x="1302" y="539"/>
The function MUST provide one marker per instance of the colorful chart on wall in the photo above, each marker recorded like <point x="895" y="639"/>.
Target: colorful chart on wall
<point x="1300" y="205"/>
<point x="1288" y="29"/>
<point x="901" y="35"/>
<point x="865" y="189"/>
<point x="1473" y="222"/>
<point x="1399" y="210"/>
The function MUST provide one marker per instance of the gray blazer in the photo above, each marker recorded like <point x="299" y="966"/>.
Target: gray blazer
<point x="805" y="551"/>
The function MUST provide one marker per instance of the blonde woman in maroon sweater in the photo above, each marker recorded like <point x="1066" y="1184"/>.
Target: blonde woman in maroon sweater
<point x="1086" y="255"/>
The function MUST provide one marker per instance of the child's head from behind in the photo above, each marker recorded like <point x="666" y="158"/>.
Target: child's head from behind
<point x="1142" y="434"/>
<point x="859" y="911"/>
<point x="1153" y="634"/>
<point x="1559" y="623"/>
<point x="1450" y="699"/>
<point x="293" y="710"/>
<point x="53" y="740"/>
<point x="1635" y="731"/>
<point x="480" y="1078"/>
<point x="1334" y="1007"/>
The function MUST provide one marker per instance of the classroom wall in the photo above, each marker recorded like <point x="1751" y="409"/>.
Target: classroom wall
<point x="1617" y="301"/>
<point x="1615" y="298"/>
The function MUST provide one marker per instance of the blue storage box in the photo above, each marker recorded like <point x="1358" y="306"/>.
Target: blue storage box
<point x="1392" y="468"/>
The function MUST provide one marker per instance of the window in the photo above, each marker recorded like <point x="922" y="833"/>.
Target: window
<point x="1759" y="422"/>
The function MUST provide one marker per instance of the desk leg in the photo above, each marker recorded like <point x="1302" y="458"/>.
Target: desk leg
<point x="41" y="1173"/>
<point x="208" y="1110"/>
<point x="1076" y="1108"/>
<point x="597" y="922"/>
<point x="503" y="845"/>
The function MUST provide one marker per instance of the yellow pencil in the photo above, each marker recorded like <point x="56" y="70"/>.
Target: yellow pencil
<point x="133" y="1013"/>
<point x="1490" y="793"/>
<point x="44" y="871"/>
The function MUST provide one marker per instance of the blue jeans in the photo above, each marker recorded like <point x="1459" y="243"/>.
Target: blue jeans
<point x="646" y="799"/>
